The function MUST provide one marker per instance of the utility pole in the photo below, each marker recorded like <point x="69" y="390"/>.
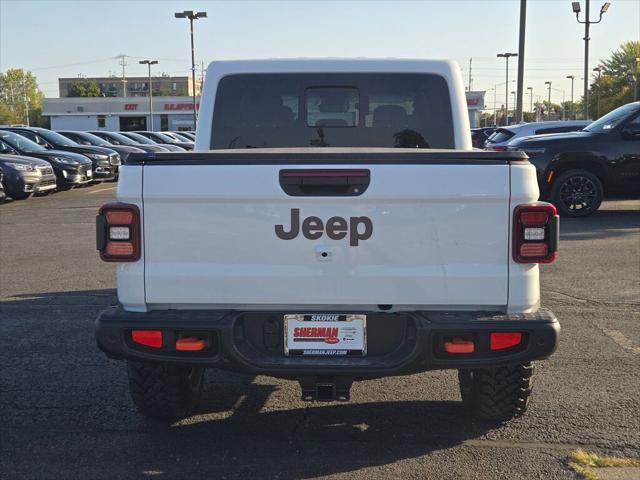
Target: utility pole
<point x="149" y="63"/>
<point x="531" y="94"/>
<point x="191" y="15"/>
<point x="520" y="85"/>
<point x="598" y="70"/>
<point x="470" y="60"/>
<point x="587" y="22"/>
<point x="506" y="56"/>
<point x="572" y="114"/>
<point x="495" y="112"/>
<point x="549" y="106"/>
<point x="123" y="63"/>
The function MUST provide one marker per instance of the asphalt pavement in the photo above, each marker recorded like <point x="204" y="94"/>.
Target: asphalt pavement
<point x="65" y="412"/>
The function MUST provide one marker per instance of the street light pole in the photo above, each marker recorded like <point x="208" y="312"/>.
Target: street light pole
<point x="531" y="94"/>
<point x="192" y="15"/>
<point x="572" y="113"/>
<point x="514" y="103"/>
<point x="549" y="106"/>
<point x="587" y="22"/>
<point x="149" y="63"/>
<point x="506" y="56"/>
<point x="598" y="70"/>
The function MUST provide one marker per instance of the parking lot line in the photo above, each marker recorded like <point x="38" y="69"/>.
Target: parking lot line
<point x="102" y="190"/>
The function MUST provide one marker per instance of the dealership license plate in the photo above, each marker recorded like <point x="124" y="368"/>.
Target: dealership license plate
<point x="89" y="173"/>
<point x="325" y="334"/>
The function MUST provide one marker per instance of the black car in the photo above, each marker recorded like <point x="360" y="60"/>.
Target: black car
<point x="115" y="138"/>
<point x="24" y="176"/>
<point x="105" y="161"/>
<point x="84" y="138"/>
<point x="71" y="169"/>
<point x="162" y="139"/>
<point x="479" y="136"/>
<point x="190" y="136"/>
<point x="577" y="170"/>
<point x="142" y="139"/>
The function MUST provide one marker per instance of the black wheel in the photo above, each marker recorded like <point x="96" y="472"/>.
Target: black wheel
<point x="500" y="393"/>
<point x="577" y="193"/>
<point x="19" y="195"/>
<point x="164" y="390"/>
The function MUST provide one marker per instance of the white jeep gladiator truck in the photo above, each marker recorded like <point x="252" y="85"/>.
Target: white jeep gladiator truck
<point x="332" y="225"/>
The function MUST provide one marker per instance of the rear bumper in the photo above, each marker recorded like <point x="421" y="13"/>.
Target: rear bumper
<point x="398" y="343"/>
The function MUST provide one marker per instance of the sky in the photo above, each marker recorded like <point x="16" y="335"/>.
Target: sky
<point x="68" y="38"/>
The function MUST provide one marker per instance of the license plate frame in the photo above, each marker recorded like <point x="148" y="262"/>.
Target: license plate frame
<point x="336" y="335"/>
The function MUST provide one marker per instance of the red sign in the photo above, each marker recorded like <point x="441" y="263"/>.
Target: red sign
<point x="178" y="106"/>
<point x="473" y="101"/>
<point x="131" y="106"/>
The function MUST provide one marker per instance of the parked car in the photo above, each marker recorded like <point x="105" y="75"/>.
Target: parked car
<point x="479" y="136"/>
<point x="499" y="140"/>
<point x="105" y="161"/>
<point x="71" y="169"/>
<point x="330" y="265"/>
<point x="190" y="136"/>
<point x="576" y="171"/>
<point x="115" y="138"/>
<point x="24" y="176"/>
<point x="84" y="138"/>
<point x="3" y="196"/>
<point x="147" y="141"/>
<point x="161" y="139"/>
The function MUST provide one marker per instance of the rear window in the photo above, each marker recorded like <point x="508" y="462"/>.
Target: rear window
<point x="332" y="110"/>
<point x="501" y="135"/>
<point x="573" y="128"/>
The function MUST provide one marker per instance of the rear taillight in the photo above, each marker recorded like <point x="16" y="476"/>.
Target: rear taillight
<point x="536" y="229"/>
<point x="118" y="232"/>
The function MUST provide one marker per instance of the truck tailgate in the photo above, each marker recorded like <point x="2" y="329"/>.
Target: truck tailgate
<point x="439" y="236"/>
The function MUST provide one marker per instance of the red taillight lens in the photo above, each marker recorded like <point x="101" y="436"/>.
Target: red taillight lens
<point x="536" y="229"/>
<point x="118" y="232"/>
<point x="148" y="338"/>
<point x="504" y="340"/>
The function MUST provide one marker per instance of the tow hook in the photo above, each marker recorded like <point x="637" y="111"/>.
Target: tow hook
<point x="325" y="389"/>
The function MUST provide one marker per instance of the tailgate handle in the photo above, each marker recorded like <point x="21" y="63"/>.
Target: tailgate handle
<point x="324" y="183"/>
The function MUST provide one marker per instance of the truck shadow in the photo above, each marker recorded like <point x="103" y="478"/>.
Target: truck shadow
<point x="245" y="426"/>
<point x="603" y="224"/>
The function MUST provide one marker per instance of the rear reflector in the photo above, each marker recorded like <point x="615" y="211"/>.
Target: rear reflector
<point x="459" y="345"/>
<point x="148" y="338"/>
<point x="503" y="340"/>
<point x="190" y="344"/>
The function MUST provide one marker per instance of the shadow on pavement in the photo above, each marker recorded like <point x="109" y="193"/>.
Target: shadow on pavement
<point x="602" y="224"/>
<point x="80" y="418"/>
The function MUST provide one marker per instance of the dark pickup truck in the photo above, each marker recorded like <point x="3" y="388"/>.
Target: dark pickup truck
<point x="577" y="170"/>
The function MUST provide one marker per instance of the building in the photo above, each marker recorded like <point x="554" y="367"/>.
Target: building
<point x="475" y="105"/>
<point x="136" y="86"/>
<point x="169" y="113"/>
<point x="117" y="113"/>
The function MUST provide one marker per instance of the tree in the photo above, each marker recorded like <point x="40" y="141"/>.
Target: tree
<point x="84" y="88"/>
<point x="615" y="83"/>
<point x="20" y="98"/>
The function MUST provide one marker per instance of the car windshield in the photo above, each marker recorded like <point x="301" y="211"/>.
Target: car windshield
<point x="140" y="138"/>
<point x="21" y="143"/>
<point x="500" y="135"/>
<point x="93" y="139"/>
<point x="612" y="119"/>
<point x="56" y="139"/>
<point x="164" y="138"/>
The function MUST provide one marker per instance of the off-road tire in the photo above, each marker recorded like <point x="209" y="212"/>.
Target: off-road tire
<point x="593" y="186"/>
<point x="497" y="394"/>
<point x="164" y="390"/>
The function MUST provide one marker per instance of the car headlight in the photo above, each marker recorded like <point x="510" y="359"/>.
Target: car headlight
<point x="97" y="156"/>
<point x="68" y="161"/>
<point x="20" y="166"/>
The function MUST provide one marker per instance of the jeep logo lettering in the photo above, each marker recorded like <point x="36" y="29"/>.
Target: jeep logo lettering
<point x="337" y="228"/>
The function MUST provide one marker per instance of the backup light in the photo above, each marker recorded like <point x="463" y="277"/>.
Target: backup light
<point x="119" y="233"/>
<point x="534" y="233"/>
